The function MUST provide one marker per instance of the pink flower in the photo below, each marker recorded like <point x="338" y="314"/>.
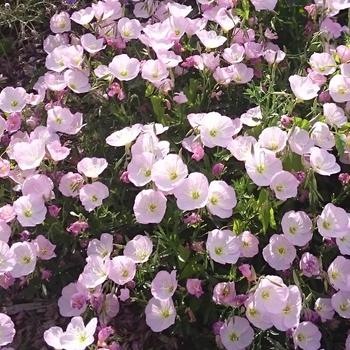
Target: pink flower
<point x="12" y="99"/>
<point x="234" y="54"/>
<point x="7" y="330"/>
<point x="124" y="137"/>
<point x="92" y="195"/>
<point x="338" y="274"/>
<point x="236" y="333"/>
<point x="246" y="271"/>
<point x="29" y="155"/>
<point x="322" y="136"/>
<point x="139" y="249"/>
<point x="224" y="293"/>
<point x="91" y="44"/>
<point x="54" y="210"/>
<point x="323" y="63"/>
<point x="25" y="255"/>
<point x="124" y="294"/>
<point x="129" y="28"/>
<point x="241" y="147"/>
<point x="13" y="122"/>
<point x="78" y="227"/>
<point x="164" y="285"/>
<point x="261" y="166"/>
<point x="5" y="231"/>
<point x="307" y="336"/>
<point x="63" y="120"/>
<point x="122" y="270"/>
<point x="194" y="287"/>
<point x="333" y="222"/>
<point x="92" y="167"/>
<point x="73" y="300"/>
<point x="252" y="117"/>
<point x="303" y="87"/>
<point x="279" y="253"/>
<point x="124" y="68"/>
<point x="45" y="250"/>
<point x="285" y="185"/>
<point x="52" y="337"/>
<point x="8" y="258"/>
<point x="310" y="265"/>
<point x="341" y="303"/>
<point x="4" y="168"/>
<point x="180" y="98"/>
<point x="38" y="185"/>
<point x="323" y="307"/>
<point x="83" y="16"/>
<point x="78" y="336"/>
<point x="240" y="73"/>
<point x="297" y="227"/>
<point x="273" y="139"/>
<point x="223" y="246"/>
<point x="77" y="81"/>
<point x="249" y="244"/>
<point x="60" y="22"/>
<point x="30" y="210"/>
<point x="339" y="88"/>
<point x="160" y="314"/>
<point x="323" y="162"/>
<point x="169" y="172"/>
<point x="154" y="71"/>
<point x="334" y="115"/>
<point x="102" y="247"/>
<point x="268" y="5"/>
<point x="150" y="207"/>
<point x="210" y="39"/>
<point x="70" y="184"/>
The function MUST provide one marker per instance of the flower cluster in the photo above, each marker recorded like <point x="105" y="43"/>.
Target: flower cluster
<point x="183" y="169"/>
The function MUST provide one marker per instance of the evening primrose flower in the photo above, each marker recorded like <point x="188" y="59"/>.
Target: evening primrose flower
<point x="7" y="329"/>
<point x="122" y="269"/>
<point x="285" y="185"/>
<point x="12" y="99"/>
<point x="139" y="249"/>
<point x="338" y="273"/>
<point x="163" y="285"/>
<point x="333" y="221"/>
<point x="30" y="210"/>
<point x="160" y="314"/>
<point x="25" y="256"/>
<point x="124" y="68"/>
<point x="307" y="336"/>
<point x="140" y="168"/>
<point x="92" y="195"/>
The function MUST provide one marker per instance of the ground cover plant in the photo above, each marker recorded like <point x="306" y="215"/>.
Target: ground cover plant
<point x="175" y="175"/>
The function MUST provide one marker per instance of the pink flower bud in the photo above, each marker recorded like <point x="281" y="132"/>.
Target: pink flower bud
<point x="194" y="287"/>
<point x="54" y="210"/>
<point x="124" y="177"/>
<point x="217" y="169"/>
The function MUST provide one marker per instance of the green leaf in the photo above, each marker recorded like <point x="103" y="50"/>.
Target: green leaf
<point x="340" y="144"/>
<point x="158" y="108"/>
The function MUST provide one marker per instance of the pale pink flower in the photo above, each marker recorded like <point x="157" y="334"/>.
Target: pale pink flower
<point x="180" y="98"/>
<point x="7" y="213"/>
<point x="226" y="20"/>
<point x="124" y="294"/>
<point x="272" y="294"/>
<point x="164" y="285"/>
<point x="7" y="330"/>
<point x="169" y="172"/>
<point x="240" y="73"/>
<point x="30" y="210"/>
<point x="139" y="249"/>
<point x="29" y="155"/>
<point x="273" y="54"/>
<point x="300" y="141"/>
<point x="249" y="244"/>
<point x="224" y="293"/>
<point x="216" y="130"/>
<point x="334" y="115"/>
<point x="53" y="41"/>
<point x="297" y="227"/>
<point x="194" y="287"/>
<point x="253" y="50"/>
<point x="95" y="271"/>
<point x="338" y="273"/>
<point x="92" y="195"/>
<point x="45" y="250"/>
<point x="192" y="193"/>
<point x="57" y="151"/>
<point x="25" y="255"/>
<point x="323" y="307"/>
<point x="124" y="137"/>
<point x="129" y="28"/>
<point x="236" y="333"/>
<point x="154" y="71"/>
<point x="140" y="168"/>
<point x="102" y="247"/>
<point x="241" y="147"/>
<point x="39" y="185"/>
<point x="4" y="168"/>
<point x="52" y="337"/>
<point x="70" y="184"/>
<point x="221" y="199"/>
<point x="322" y="162"/>
<point x="310" y="265"/>
<point x="73" y="300"/>
<point x="160" y="314"/>
<point x="234" y="54"/>
<point x="303" y="87"/>
<point x="83" y="16"/>
<point x="341" y="303"/>
<point x="279" y="253"/>
<point x="122" y="270"/>
<point x="323" y="63"/>
<point x="307" y="336"/>
<point x="210" y="39"/>
<point x="285" y="185"/>
<point x="5" y="231"/>
<point x="149" y="207"/>
<point x="343" y="243"/>
<point x="252" y="117"/>
<point x="92" y="167"/>
<point x="78" y="336"/>
<point x="322" y="136"/>
<point x="124" y="68"/>
<point x="60" y="22"/>
<point x="7" y="258"/>
<point x="77" y="81"/>
<point x="262" y="165"/>
<point x="110" y="309"/>
<point x="12" y="99"/>
<point x="55" y="81"/>
<point x="339" y="88"/>
<point x="268" y="5"/>
<point x="273" y="138"/>
<point x="223" y="246"/>
<point x="91" y="44"/>
<point x="256" y="316"/>
<point x="333" y="221"/>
